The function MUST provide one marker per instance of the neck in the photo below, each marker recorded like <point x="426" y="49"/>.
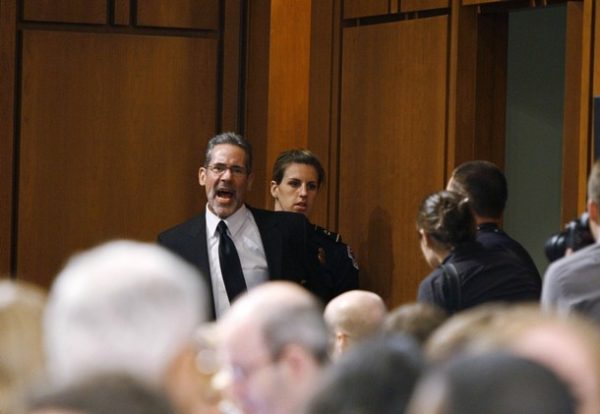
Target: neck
<point x="441" y="255"/>
<point x="481" y="220"/>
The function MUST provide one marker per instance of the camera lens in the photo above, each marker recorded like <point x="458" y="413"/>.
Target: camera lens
<point x="556" y="246"/>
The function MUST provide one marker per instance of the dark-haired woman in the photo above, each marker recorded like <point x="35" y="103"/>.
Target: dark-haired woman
<point x="296" y="181"/>
<point x="465" y="274"/>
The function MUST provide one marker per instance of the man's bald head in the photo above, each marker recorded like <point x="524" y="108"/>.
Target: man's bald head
<point x="274" y="342"/>
<point x="354" y="315"/>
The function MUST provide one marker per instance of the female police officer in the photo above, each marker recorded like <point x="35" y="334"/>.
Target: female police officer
<point x="297" y="178"/>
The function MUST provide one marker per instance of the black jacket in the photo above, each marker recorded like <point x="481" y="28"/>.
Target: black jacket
<point x="285" y="238"/>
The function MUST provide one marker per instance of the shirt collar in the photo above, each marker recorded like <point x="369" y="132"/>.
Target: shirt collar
<point x="234" y="222"/>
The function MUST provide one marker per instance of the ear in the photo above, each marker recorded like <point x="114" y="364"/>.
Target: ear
<point x="426" y="237"/>
<point x="341" y="342"/>
<point x="296" y="359"/>
<point x="274" y="189"/>
<point x="202" y="176"/>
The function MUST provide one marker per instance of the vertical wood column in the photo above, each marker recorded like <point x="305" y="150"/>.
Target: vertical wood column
<point x="576" y="153"/>
<point x="8" y="10"/>
<point x="280" y="118"/>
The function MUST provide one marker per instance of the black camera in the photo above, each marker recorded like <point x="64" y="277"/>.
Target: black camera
<point x="577" y="234"/>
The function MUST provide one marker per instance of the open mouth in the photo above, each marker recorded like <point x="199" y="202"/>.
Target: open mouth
<point x="224" y="194"/>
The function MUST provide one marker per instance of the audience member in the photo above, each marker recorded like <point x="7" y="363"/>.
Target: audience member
<point x="125" y="308"/>
<point x="465" y="274"/>
<point x="375" y="377"/>
<point x="21" y="345"/>
<point x="103" y="395"/>
<point x="352" y="317"/>
<point x="418" y="320"/>
<point x="566" y="344"/>
<point x="491" y="383"/>
<point x="572" y="283"/>
<point x="273" y="345"/>
<point x="485" y="186"/>
<point x="297" y="178"/>
<point x="461" y="332"/>
<point x="236" y="246"/>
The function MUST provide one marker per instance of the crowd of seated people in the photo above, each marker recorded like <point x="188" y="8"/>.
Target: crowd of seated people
<point x="137" y="327"/>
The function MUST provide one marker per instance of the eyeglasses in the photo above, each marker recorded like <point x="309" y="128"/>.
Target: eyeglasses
<point x="244" y="373"/>
<point x="219" y="169"/>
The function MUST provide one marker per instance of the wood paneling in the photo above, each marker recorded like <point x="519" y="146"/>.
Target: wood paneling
<point x="472" y="2"/>
<point x="278" y="82"/>
<point x="70" y="11"/>
<point x="289" y="60"/>
<point x="8" y="11"/>
<point x="392" y="141"/>
<point x="490" y="98"/>
<point x="477" y="87"/>
<point x="122" y="12"/>
<point x="231" y="67"/>
<point x="113" y="131"/>
<point x="194" y="14"/>
<point x="576" y="155"/>
<point x="257" y="93"/>
<point x="420" y="5"/>
<point x="323" y="93"/>
<point x="365" y="8"/>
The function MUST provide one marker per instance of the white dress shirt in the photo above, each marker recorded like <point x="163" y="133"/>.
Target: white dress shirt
<point x="244" y="232"/>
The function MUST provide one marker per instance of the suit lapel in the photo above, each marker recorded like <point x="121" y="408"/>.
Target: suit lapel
<point x="271" y="240"/>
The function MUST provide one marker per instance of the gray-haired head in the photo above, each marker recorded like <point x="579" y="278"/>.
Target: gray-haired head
<point x="230" y="138"/>
<point x="123" y="307"/>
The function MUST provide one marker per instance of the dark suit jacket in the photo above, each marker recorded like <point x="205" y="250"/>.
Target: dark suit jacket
<point x="284" y="237"/>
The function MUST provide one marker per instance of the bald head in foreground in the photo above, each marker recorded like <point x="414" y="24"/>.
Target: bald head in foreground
<point x="274" y="343"/>
<point x="352" y="316"/>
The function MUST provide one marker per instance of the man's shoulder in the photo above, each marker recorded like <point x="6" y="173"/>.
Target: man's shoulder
<point x="190" y="227"/>
<point x="276" y="216"/>
<point x="576" y="264"/>
<point x="497" y="238"/>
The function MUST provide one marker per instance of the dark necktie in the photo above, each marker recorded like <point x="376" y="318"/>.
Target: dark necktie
<point x="231" y="268"/>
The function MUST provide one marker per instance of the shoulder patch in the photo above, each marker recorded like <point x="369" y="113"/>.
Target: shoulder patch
<point x="333" y="236"/>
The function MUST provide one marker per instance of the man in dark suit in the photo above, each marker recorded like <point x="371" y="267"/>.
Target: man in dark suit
<point x="269" y="245"/>
<point x="485" y="186"/>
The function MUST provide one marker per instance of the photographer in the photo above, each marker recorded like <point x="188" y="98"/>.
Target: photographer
<point x="573" y="283"/>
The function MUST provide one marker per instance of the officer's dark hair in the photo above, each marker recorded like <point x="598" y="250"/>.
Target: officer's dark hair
<point x="230" y="138"/>
<point x="297" y="156"/>
<point x="447" y="218"/>
<point x="484" y="184"/>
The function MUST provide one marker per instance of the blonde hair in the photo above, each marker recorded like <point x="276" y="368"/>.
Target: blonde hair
<point x="21" y="346"/>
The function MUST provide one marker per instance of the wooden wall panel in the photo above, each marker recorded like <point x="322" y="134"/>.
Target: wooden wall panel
<point x="576" y="155"/>
<point x="289" y="60"/>
<point x="473" y="2"/>
<point x="325" y="38"/>
<point x="113" y="131"/>
<point x="122" y="12"/>
<point x="365" y="8"/>
<point x="392" y="152"/>
<point x="278" y="82"/>
<point x="194" y="14"/>
<point x="8" y="20"/>
<point x="420" y="5"/>
<point x="70" y="11"/>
